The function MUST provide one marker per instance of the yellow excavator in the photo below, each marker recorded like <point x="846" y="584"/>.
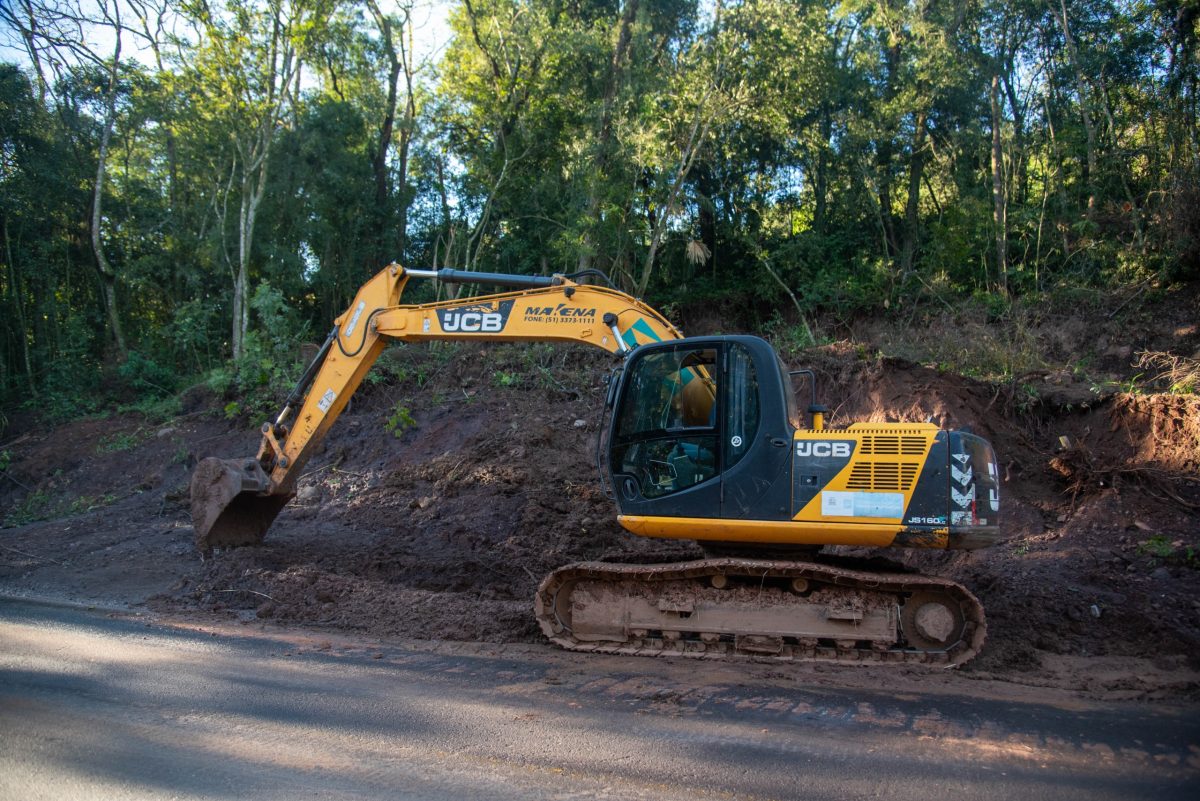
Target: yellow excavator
<point x="704" y="441"/>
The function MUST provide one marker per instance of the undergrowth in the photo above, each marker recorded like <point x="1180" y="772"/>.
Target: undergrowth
<point x="121" y="441"/>
<point x="1169" y="552"/>
<point x="401" y="420"/>
<point x="1178" y="375"/>
<point x="44" y="504"/>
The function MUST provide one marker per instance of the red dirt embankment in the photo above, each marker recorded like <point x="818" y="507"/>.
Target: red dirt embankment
<point x="444" y="531"/>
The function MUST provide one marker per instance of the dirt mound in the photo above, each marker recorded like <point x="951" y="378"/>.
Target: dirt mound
<point x="1061" y="346"/>
<point x="485" y="495"/>
<point x="450" y="488"/>
<point x="445" y="531"/>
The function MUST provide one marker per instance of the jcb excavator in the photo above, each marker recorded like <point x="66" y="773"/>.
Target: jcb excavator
<point x="704" y="442"/>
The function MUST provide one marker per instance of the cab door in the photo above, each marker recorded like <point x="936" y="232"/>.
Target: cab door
<point x="701" y="430"/>
<point x="664" y="453"/>
<point x="756" y="434"/>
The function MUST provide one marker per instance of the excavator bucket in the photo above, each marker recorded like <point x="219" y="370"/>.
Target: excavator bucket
<point x="232" y="504"/>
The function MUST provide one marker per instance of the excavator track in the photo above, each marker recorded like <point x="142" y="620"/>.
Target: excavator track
<point x="773" y="610"/>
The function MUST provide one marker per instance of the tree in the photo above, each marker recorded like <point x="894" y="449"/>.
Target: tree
<point x="56" y="36"/>
<point x="759" y="154"/>
<point x="395" y="39"/>
<point x="246" y="72"/>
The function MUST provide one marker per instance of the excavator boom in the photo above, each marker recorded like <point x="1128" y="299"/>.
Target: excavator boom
<point x="234" y="501"/>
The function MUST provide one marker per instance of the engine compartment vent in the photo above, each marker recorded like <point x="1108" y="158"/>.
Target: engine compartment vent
<point x="883" y="476"/>
<point x="894" y="445"/>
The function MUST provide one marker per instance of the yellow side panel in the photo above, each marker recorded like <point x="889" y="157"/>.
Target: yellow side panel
<point x="886" y="463"/>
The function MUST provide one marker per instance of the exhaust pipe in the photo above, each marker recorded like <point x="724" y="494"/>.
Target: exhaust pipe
<point x="232" y="503"/>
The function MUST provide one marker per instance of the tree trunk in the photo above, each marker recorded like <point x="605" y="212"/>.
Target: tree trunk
<point x="241" y="321"/>
<point x="1019" y="163"/>
<point x="912" y="206"/>
<point x="106" y="275"/>
<point x="999" y="196"/>
<point x="406" y="135"/>
<point x="30" y="35"/>
<point x="821" y="182"/>
<point x="687" y="159"/>
<point x="884" y="155"/>
<point x="386" y="128"/>
<point x="18" y="311"/>
<point x="254" y="185"/>
<point x="604" y="136"/>
<point x="706" y="187"/>
<point x="254" y="151"/>
<point x="1088" y="127"/>
<point x="1061" y="192"/>
<point x="1135" y="214"/>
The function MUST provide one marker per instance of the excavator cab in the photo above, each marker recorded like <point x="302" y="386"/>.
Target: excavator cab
<point x="705" y="443"/>
<point x="701" y="429"/>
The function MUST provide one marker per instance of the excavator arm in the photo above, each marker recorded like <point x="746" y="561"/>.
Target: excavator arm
<point x="235" y="501"/>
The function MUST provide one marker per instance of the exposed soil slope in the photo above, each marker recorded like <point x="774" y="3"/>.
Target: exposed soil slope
<point x="444" y="531"/>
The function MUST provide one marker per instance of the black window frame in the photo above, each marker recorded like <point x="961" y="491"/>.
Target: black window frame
<point x="619" y="443"/>
<point x="728" y="460"/>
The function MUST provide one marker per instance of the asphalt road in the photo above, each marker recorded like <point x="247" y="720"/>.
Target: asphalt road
<point x="98" y="705"/>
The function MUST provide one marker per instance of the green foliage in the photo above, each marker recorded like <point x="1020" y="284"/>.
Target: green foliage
<point x="1159" y="548"/>
<point x="504" y="378"/>
<point x="401" y="420"/>
<point x="32" y="508"/>
<point x="145" y="376"/>
<point x="788" y="338"/>
<point x="1026" y="398"/>
<point x="155" y="410"/>
<point x="70" y="382"/>
<point x="540" y="365"/>
<point x="993" y="340"/>
<point x="1178" y="375"/>
<point x="220" y="379"/>
<point x="847" y="145"/>
<point x="1131" y="385"/>
<point x="394" y="369"/>
<point x="191" y="333"/>
<point x="121" y="441"/>
<point x="270" y="364"/>
<point x="48" y="504"/>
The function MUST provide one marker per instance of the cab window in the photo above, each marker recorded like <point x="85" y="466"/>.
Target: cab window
<point x="666" y="433"/>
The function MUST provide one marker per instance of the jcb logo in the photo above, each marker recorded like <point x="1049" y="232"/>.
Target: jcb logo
<point x="840" y="450"/>
<point x="477" y="318"/>
<point x="472" y="322"/>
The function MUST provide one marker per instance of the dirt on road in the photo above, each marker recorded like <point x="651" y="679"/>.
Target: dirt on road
<point x="465" y="474"/>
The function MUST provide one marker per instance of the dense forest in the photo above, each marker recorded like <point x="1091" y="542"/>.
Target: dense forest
<point x="189" y="187"/>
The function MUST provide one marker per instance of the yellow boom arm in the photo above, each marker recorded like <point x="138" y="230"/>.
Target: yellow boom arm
<point x="234" y="502"/>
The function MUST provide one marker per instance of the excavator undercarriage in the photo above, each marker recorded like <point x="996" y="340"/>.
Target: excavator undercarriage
<point x="762" y="609"/>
